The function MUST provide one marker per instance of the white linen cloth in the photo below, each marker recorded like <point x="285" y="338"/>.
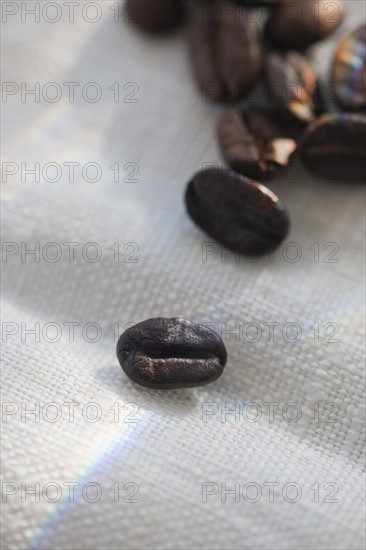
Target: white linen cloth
<point x="170" y="452"/>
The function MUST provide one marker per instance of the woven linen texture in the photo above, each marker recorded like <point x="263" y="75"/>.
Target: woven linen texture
<point x="170" y="451"/>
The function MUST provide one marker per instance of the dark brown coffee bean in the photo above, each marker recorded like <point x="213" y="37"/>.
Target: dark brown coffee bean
<point x="258" y="2"/>
<point x="297" y="24"/>
<point x="255" y="143"/>
<point x="293" y="85"/>
<point x="241" y="214"/>
<point x="225" y="50"/>
<point x="349" y="71"/>
<point x="334" y="147"/>
<point x="154" y="16"/>
<point x="172" y="353"/>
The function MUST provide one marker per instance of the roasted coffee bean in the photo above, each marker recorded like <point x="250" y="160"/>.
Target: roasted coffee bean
<point x="172" y="353"/>
<point x="255" y="143"/>
<point x="349" y="71"/>
<point x="154" y="16"/>
<point x="293" y="85"/>
<point x="334" y="147"/>
<point x="297" y="24"/>
<point x="241" y="214"/>
<point x="225" y="50"/>
<point x="258" y="2"/>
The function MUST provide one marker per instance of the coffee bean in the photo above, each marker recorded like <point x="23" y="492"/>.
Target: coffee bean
<point x="255" y="143"/>
<point x="225" y="50"/>
<point x="154" y="16"/>
<point x="349" y="71"/>
<point x="241" y="214"/>
<point x="171" y="353"/>
<point x="293" y="85"/>
<point x="258" y="2"/>
<point x="334" y="147"/>
<point x="297" y="24"/>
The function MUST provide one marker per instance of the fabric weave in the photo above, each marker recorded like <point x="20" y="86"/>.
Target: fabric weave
<point x="172" y="449"/>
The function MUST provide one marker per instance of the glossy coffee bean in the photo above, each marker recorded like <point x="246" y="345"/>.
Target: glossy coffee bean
<point x="239" y="213"/>
<point x="225" y="50"/>
<point x="171" y="353"/>
<point x="297" y="24"/>
<point x="334" y="147"/>
<point x="255" y="143"/>
<point x="154" y="16"/>
<point x="349" y="71"/>
<point x="293" y="85"/>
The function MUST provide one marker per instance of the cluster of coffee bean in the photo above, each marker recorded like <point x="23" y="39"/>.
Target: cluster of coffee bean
<point x="229" y="54"/>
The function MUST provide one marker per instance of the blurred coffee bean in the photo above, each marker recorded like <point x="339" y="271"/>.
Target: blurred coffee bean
<point x="258" y="2"/>
<point x="225" y="50"/>
<point x="255" y="143"/>
<point x="239" y="213"/>
<point x="297" y="24"/>
<point x="334" y="147"/>
<point x="293" y="85"/>
<point x="349" y="71"/>
<point x="154" y="16"/>
<point x="247" y="3"/>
